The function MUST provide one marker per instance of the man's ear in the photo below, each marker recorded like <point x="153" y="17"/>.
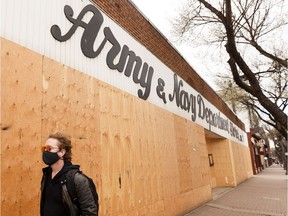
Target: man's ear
<point x="62" y="152"/>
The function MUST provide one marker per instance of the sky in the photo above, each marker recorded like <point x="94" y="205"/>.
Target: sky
<point x="159" y="13"/>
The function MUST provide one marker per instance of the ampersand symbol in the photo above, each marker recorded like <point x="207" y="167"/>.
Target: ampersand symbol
<point x="160" y="90"/>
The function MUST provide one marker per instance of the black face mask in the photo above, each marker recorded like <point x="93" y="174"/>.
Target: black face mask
<point x="50" y="158"/>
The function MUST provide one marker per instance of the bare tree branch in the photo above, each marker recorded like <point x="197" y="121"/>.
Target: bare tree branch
<point x="244" y="24"/>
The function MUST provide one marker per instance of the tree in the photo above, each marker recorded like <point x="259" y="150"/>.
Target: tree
<point x="280" y="146"/>
<point x="246" y="29"/>
<point x="239" y="101"/>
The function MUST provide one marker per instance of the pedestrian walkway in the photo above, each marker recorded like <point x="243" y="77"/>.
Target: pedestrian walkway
<point x="264" y="194"/>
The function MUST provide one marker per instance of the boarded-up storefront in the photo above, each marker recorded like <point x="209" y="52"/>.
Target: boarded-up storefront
<point x="151" y="133"/>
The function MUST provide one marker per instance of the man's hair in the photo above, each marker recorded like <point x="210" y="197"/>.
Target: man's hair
<point x="64" y="143"/>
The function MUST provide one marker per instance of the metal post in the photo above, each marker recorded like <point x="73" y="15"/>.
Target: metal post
<point x="286" y="158"/>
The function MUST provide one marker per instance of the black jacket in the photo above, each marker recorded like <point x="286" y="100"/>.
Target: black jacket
<point x="58" y="201"/>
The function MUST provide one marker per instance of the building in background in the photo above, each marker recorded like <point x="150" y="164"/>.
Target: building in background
<point x="261" y="155"/>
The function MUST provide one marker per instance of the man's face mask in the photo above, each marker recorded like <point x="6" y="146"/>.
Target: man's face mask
<point x="50" y="158"/>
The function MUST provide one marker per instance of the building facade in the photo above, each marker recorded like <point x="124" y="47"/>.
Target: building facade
<point x="151" y="133"/>
<point x="261" y="155"/>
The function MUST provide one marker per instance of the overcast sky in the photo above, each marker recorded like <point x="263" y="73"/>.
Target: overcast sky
<point x="159" y="13"/>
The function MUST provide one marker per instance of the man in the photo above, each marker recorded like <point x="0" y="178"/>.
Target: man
<point x="55" y="199"/>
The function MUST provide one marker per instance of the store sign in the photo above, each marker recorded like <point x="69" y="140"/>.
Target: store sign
<point x="123" y="59"/>
<point x="133" y="67"/>
<point x="81" y="36"/>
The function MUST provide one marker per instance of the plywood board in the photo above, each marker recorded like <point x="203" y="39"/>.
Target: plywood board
<point x="20" y="140"/>
<point x="143" y="159"/>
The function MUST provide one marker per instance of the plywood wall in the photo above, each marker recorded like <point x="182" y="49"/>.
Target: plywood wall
<point x="223" y="172"/>
<point x="144" y="160"/>
<point x="232" y="164"/>
<point x="21" y="95"/>
<point x="242" y="162"/>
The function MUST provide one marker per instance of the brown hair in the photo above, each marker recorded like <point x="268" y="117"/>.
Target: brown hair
<point x="64" y="143"/>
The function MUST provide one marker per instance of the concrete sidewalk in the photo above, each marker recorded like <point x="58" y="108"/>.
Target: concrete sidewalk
<point x="264" y="194"/>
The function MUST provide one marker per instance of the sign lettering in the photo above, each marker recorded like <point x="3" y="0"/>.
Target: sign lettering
<point x="126" y="61"/>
